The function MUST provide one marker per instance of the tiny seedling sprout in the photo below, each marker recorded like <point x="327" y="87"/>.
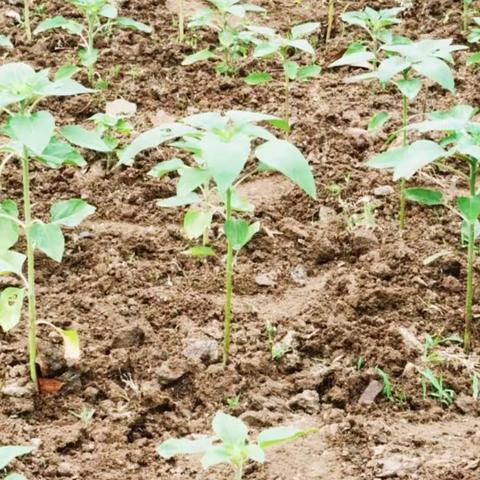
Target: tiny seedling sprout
<point x="437" y="389"/>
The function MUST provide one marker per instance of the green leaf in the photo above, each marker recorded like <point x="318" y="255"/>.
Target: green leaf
<point x="11" y="302"/>
<point x="59" y="22"/>
<point x="390" y="67"/>
<point x="177" y="201"/>
<point x="88" y="56"/>
<point x="278" y="435"/>
<point x="190" y="179"/>
<point x="64" y="87"/>
<point x="378" y="120"/>
<point x="425" y="196"/>
<point x="11" y="262"/>
<point x="473" y="59"/>
<point x="291" y="69"/>
<point x="9" y="453"/>
<point x="265" y="49"/>
<point x="226" y="38"/>
<point x="302" y="45"/>
<point x="8" y="228"/>
<point x="255" y="453"/>
<point x="225" y="158"/>
<point x="108" y="11"/>
<point x="305" y="29"/>
<point x="133" y="24"/>
<point x="71" y="213"/>
<point x="162" y="168"/>
<point x="216" y="455"/>
<point x="196" y="222"/>
<point x="71" y="345"/>
<point x="84" y="138"/>
<point x="200" y="251"/>
<point x="5" y="42"/>
<point x="258" y="78"/>
<point x="15" y="476"/>
<point x="58" y="153"/>
<point x="239" y="232"/>
<point x="308" y="71"/>
<point x="66" y="71"/>
<point x="34" y="131"/>
<point x="356" y="59"/>
<point x="409" y="88"/>
<point x="183" y="446"/>
<point x="436" y="70"/>
<point x="230" y="429"/>
<point x="284" y="157"/>
<point x="198" y="57"/>
<point x="49" y="239"/>
<point x="469" y="207"/>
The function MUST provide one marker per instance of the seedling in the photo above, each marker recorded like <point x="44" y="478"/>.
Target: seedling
<point x="474" y="37"/>
<point x="228" y="20"/>
<point x="5" y="42"/>
<point x="85" y="415"/>
<point x="9" y="453"/>
<point x="32" y="136"/>
<point x="221" y="146"/>
<point x="431" y="344"/>
<point x="475" y="387"/>
<point x="234" y="401"/>
<point x="437" y="389"/>
<point x="405" y="66"/>
<point x="377" y="24"/>
<point x="230" y="444"/>
<point x="281" y="348"/>
<point x="387" y="384"/>
<point x="100" y="16"/>
<point x="268" y="43"/>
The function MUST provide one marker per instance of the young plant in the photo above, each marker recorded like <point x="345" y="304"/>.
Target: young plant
<point x="474" y="37"/>
<point x="30" y="135"/>
<point x="221" y="146"/>
<point x="85" y="415"/>
<point x="431" y="344"/>
<point x="230" y="444"/>
<point x="278" y="349"/>
<point x="377" y="24"/>
<point x="387" y="384"/>
<point x="405" y="66"/>
<point x="228" y="21"/>
<point x="9" y="453"/>
<point x="437" y="389"/>
<point x="100" y="16"/>
<point x="268" y="43"/>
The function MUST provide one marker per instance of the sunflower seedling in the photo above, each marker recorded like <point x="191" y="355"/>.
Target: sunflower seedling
<point x="221" y="146"/>
<point x="11" y="452"/>
<point x="29" y="136"/>
<point x="268" y="43"/>
<point x="227" y="19"/>
<point x="231" y="444"/>
<point x="474" y="37"/>
<point x="437" y="389"/>
<point x="99" y="18"/>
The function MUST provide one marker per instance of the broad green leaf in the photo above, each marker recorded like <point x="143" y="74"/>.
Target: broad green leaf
<point x="71" y="213"/>
<point x="437" y="71"/>
<point x="229" y="429"/>
<point x="291" y="68"/>
<point x="225" y="158"/>
<point x="216" y="455"/>
<point x="245" y="117"/>
<point x="162" y="168"/>
<point x="425" y="196"/>
<point x="49" y="239"/>
<point x="59" y="22"/>
<point x="108" y="11"/>
<point x="58" y="153"/>
<point x="84" y="138"/>
<point x="390" y="67"/>
<point x="15" y="476"/>
<point x="378" y="120"/>
<point x="258" y="78"/>
<point x="66" y="71"/>
<point x="278" y="435"/>
<point x="34" y="131"/>
<point x="226" y="38"/>
<point x="357" y="59"/>
<point x="200" y="251"/>
<point x="71" y="345"/>
<point x="11" y="303"/>
<point x="177" y="201"/>
<point x="409" y="88"/>
<point x="418" y="155"/>
<point x="255" y="453"/>
<point x="304" y="29"/>
<point x="265" y="49"/>
<point x="469" y="207"/>
<point x="9" y="453"/>
<point x="196" y="222"/>
<point x="239" y="232"/>
<point x="11" y="262"/>
<point x="308" y="71"/>
<point x="206" y="121"/>
<point x="190" y="179"/>
<point x="8" y="228"/>
<point x="88" y="56"/>
<point x="198" y="57"/>
<point x="473" y="59"/>
<point x="64" y="87"/>
<point x="133" y="24"/>
<point x="183" y="446"/>
<point x="5" y="42"/>
<point x="284" y="157"/>
<point x="302" y="45"/>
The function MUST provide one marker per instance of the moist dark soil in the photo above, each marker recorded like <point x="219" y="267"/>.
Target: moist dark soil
<point x="335" y="275"/>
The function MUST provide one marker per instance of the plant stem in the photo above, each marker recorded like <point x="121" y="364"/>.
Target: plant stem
<point x="26" y="19"/>
<point x="330" y="19"/>
<point x="405" y="143"/>
<point x="287" y="98"/>
<point x="466" y="15"/>
<point x="467" y="338"/>
<point x="228" y="284"/>
<point x="90" y="48"/>
<point x="32" y="314"/>
<point x="238" y="472"/>
<point x="181" y="21"/>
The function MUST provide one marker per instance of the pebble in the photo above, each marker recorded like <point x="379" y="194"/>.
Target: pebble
<point x="384" y="191"/>
<point x="308" y="401"/>
<point x="128" y="337"/>
<point x="371" y="392"/>
<point x="268" y="279"/>
<point x="202" y="351"/>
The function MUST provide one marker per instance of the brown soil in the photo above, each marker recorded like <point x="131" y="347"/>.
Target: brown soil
<point x="138" y="302"/>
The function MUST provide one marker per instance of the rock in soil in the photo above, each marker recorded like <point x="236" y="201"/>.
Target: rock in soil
<point x="128" y="337"/>
<point x="371" y="392"/>
<point x="308" y="401"/>
<point x="202" y="351"/>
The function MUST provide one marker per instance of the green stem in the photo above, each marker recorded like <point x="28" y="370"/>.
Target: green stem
<point x="466" y="15"/>
<point x="90" y="48"/>
<point x="238" y="472"/>
<point x="403" y="201"/>
<point x="26" y="19"/>
<point x="287" y="98"/>
<point x="32" y="315"/>
<point x="331" y="18"/>
<point x="228" y="285"/>
<point x="181" y="22"/>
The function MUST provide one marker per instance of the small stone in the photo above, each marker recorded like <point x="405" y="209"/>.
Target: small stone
<point x="384" y="191"/>
<point x="308" y="401"/>
<point x="17" y="390"/>
<point x="91" y="393"/>
<point x="14" y="15"/>
<point x="363" y="240"/>
<point x="204" y="351"/>
<point x="467" y="404"/>
<point x="371" y="392"/>
<point x="66" y="469"/>
<point x="410" y="339"/>
<point x="299" y="275"/>
<point x="128" y="337"/>
<point x="168" y="374"/>
<point x="268" y="279"/>
<point x="398" y="466"/>
<point x="121" y="108"/>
